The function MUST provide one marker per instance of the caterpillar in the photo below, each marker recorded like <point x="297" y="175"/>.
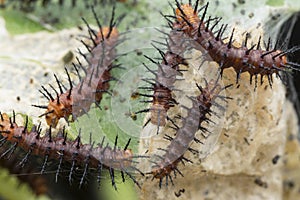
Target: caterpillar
<point x="253" y="60"/>
<point x="196" y="115"/>
<point x="77" y="100"/>
<point x="165" y="77"/>
<point x="59" y="148"/>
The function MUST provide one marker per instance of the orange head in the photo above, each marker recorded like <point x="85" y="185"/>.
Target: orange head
<point x="186" y="13"/>
<point x="107" y="33"/>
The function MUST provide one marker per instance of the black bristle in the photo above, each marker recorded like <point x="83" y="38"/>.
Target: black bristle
<point x="50" y="96"/>
<point x="70" y="83"/>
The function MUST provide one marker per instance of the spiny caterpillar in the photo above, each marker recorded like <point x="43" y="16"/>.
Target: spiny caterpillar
<point x="165" y="77"/>
<point x="253" y="60"/>
<point x="199" y="112"/>
<point x="85" y="156"/>
<point x="78" y="99"/>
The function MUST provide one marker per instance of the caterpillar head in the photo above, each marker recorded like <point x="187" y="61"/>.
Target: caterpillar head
<point x="107" y="33"/>
<point x="58" y="109"/>
<point x="164" y="169"/>
<point x="185" y="13"/>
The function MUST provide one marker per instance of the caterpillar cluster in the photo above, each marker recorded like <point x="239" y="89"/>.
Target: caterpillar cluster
<point x="75" y="102"/>
<point x="242" y="59"/>
<point x="188" y="30"/>
<point x="200" y="34"/>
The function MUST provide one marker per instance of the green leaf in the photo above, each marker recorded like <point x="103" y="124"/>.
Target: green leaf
<point x="275" y="2"/>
